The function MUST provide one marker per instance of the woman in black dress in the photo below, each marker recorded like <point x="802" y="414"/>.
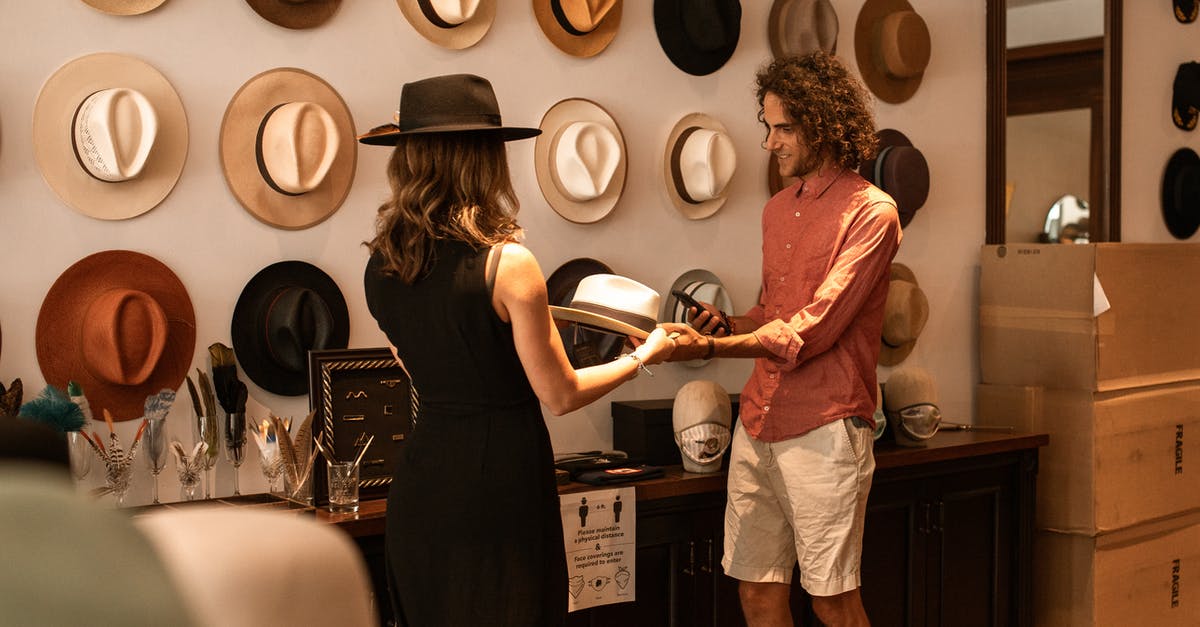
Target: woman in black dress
<point x="474" y="534"/>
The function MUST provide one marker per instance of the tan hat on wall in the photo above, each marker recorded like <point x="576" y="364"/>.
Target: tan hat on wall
<point x="124" y="7"/>
<point x="580" y="28"/>
<point x="798" y="27"/>
<point x="110" y="135"/>
<point x="296" y="14"/>
<point x="121" y="324"/>
<point x="699" y="163"/>
<point x="454" y="24"/>
<point x="904" y="315"/>
<point x="287" y="148"/>
<point x="580" y="160"/>
<point x="892" y="46"/>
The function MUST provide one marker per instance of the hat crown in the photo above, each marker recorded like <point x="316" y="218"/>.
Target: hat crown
<point x="113" y="132"/>
<point x="451" y="102"/>
<point x="904" y="313"/>
<point x="909" y="386"/>
<point x="586" y="155"/>
<point x="904" y="44"/>
<point x="703" y="24"/>
<point x="297" y="321"/>
<point x="707" y="162"/>
<point x="701" y="415"/>
<point x="453" y="12"/>
<point x="296" y="146"/>
<point x="123" y="336"/>
<point x="806" y="26"/>
<point x="618" y="297"/>
<point x="584" y="15"/>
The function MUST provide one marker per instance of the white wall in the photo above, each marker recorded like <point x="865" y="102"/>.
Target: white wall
<point x="209" y="49"/>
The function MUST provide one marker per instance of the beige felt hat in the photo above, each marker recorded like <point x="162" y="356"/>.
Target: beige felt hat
<point x="124" y="7"/>
<point x="109" y="135"/>
<point x="287" y="148"/>
<point x="454" y="24"/>
<point x="904" y="316"/>
<point x="580" y="160"/>
<point x="580" y="28"/>
<point x="892" y="46"/>
<point x="798" y="27"/>
<point x="698" y="165"/>
<point x="612" y="303"/>
<point x="296" y="14"/>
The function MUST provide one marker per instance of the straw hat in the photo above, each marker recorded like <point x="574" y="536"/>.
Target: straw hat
<point x="119" y="323"/>
<point x="580" y="160"/>
<point x="699" y="163"/>
<point x="798" y="27"/>
<point x="296" y="14"/>
<point x="899" y="169"/>
<point x="580" y="28"/>
<point x="287" y="148"/>
<point x="892" y="45"/>
<point x="612" y="304"/>
<point x="584" y="347"/>
<point x="698" y="36"/>
<point x="285" y="310"/>
<point x="705" y="287"/>
<point x="124" y="7"/>
<point x="454" y="24"/>
<point x="1181" y="193"/>
<point x="76" y="135"/>
<point x="904" y="316"/>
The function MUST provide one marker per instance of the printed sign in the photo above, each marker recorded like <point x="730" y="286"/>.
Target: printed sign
<point x="599" y="533"/>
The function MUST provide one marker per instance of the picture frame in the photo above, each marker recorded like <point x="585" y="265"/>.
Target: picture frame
<point x="357" y="394"/>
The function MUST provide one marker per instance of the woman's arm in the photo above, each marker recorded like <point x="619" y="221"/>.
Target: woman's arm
<point x="519" y="297"/>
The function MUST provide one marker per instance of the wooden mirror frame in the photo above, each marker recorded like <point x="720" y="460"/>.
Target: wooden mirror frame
<point x="1105" y="225"/>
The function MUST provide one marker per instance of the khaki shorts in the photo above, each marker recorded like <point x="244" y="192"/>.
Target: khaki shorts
<point x="801" y="500"/>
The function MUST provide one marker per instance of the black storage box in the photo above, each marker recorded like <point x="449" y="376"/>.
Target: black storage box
<point x="643" y="429"/>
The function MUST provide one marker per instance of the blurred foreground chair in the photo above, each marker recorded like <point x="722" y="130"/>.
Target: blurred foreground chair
<point x="243" y="567"/>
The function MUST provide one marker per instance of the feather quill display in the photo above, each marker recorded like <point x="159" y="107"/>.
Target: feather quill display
<point x="224" y="376"/>
<point x="52" y="408"/>
<point x="195" y="396"/>
<point x="297" y="453"/>
<point x="189" y="465"/>
<point x="159" y="405"/>
<point x="77" y="397"/>
<point x="10" y="399"/>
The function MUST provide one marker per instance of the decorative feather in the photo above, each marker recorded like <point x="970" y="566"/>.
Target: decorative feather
<point x="10" y="399"/>
<point x="303" y="441"/>
<point x="195" y="397"/>
<point x="158" y="405"/>
<point x="54" y="409"/>
<point x="224" y="376"/>
<point x="206" y="394"/>
<point x="77" y="397"/>
<point x="286" y="450"/>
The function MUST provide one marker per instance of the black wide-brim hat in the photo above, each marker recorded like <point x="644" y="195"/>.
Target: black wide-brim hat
<point x="284" y="311"/>
<point x="584" y="346"/>
<point x="899" y="169"/>
<point x="1185" y="96"/>
<point x="1181" y="193"/>
<point x="698" y="36"/>
<point x="453" y="103"/>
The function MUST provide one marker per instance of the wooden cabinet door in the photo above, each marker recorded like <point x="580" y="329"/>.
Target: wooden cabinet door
<point x="894" y="547"/>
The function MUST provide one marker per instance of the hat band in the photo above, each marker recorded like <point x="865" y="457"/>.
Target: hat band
<point x="432" y="15"/>
<point x="258" y="154"/>
<point x="556" y="7"/>
<point x="442" y="120"/>
<point x="676" y="171"/>
<point x="644" y="323"/>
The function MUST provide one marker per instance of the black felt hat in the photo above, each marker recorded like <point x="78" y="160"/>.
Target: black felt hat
<point x="1185" y="96"/>
<point x="446" y="104"/>
<point x="1186" y="10"/>
<point x="698" y="36"/>
<point x="1181" y="193"/>
<point x="899" y="169"/>
<point x="584" y="347"/>
<point x="284" y="311"/>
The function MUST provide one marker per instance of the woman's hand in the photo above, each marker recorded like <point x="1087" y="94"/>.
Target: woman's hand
<point x="656" y="348"/>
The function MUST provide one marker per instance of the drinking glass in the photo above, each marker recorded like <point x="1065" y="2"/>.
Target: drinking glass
<point x="80" y="453"/>
<point x="235" y="444"/>
<point x="155" y="444"/>
<point x="343" y="487"/>
<point x="206" y="431"/>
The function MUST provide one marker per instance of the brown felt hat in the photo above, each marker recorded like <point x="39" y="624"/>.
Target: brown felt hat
<point x="454" y="24"/>
<point x="580" y="28"/>
<point x="155" y="128"/>
<point x="892" y="45"/>
<point x="121" y="325"/>
<point x="799" y="27"/>
<point x="296" y="14"/>
<point x="899" y="169"/>
<point x="124" y="7"/>
<point x="904" y="316"/>
<point x="287" y="148"/>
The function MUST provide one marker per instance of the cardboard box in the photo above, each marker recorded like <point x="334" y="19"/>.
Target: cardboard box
<point x="1115" y="459"/>
<point x="1089" y="316"/>
<point x="1146" y="575"/>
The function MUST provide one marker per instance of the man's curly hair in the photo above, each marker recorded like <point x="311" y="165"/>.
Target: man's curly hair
<point x="829" y="106"/>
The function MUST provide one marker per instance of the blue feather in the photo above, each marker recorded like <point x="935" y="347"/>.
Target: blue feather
<point x="54" y="409"/>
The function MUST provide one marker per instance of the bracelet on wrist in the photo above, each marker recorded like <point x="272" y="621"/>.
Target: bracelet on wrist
<point x="641" y="365"/>
<point x="712" y="347"/>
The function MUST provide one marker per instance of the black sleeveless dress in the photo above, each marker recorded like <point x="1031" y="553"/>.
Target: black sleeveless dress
<point x="474" y="533"/>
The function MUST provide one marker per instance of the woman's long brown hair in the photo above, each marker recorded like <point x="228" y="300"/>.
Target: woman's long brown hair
<point x="445" y="186"/>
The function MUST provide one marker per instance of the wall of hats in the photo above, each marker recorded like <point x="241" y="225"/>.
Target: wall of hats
<point x="156" y="140"/>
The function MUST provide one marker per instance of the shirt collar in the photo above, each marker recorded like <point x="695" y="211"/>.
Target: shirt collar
<point x="820" y="183"/>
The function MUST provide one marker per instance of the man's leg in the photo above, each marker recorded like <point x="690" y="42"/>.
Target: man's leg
<point x="766" y="604"/>
<point x="840" y="610"/>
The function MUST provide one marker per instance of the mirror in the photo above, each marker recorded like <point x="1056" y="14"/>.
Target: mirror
<point x="1072" y="87"/>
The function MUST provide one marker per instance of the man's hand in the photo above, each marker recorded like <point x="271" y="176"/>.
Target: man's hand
<point x="709" y="321"/>
<point x="689" y="344"/>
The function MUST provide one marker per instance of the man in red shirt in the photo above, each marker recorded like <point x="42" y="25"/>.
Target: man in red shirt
<point x="802" y="459"/>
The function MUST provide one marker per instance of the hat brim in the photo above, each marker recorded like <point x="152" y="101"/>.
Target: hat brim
<point x="560" y="289"/>
<point x="597" y="322"/>
<point x="461" y="36"/>
<point x="681" y="51"/>
<point x="670" y="302"/>
<point x="248" y="336"/>
<point x="561" y="114"/>
<point x="60" y="322"/>
<point x="912" y="194"/>
<point x="389" y="134"/>
<point x="53" y="117"/>
<point x="886" y="87"/>
<point x="239" y="136"/>
<point x="777" y="35"/>
<point x="586" y="45"/>
<point x="703" y="209"/>
<point x="293" y="15"/>
<point x="893" y="355"/>
<point x="1181" y="221"/>
<point x="124" y="7"/>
